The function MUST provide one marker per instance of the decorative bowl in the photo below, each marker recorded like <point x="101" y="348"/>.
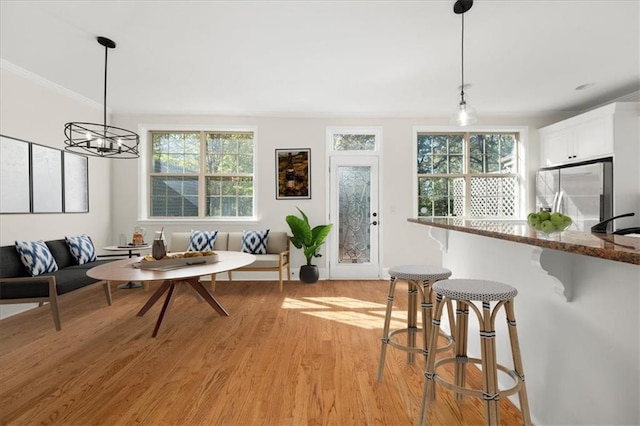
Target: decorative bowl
<point x="556" y="229"/>
<point x="548" y="223"/>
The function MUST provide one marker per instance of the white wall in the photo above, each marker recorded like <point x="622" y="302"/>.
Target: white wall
<point x="36" y="112"/>
<point x="400" y="241"/>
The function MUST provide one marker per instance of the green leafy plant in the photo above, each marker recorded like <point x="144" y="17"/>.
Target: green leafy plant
<point x="307" y="238"/>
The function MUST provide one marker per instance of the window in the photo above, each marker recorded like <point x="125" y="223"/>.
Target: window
<point x="202" y="174"/>
<point x="468" y="174"/>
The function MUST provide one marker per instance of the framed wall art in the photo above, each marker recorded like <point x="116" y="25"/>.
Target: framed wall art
<point x="76" y="183"/>
<point x="15" y="188"/>
<point x="293" y="174"/>
<point x="46" y="166"/>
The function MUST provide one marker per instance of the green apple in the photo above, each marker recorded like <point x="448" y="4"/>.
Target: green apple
<point x="544" y="215"/>
<point x="557" y="219"/>
<point x="533" y="218"/>
<point x="547" y="226"/>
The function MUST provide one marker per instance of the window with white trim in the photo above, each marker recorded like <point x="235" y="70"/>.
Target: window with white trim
<point x="198" y="174"/>
<point x="470" y="174"/>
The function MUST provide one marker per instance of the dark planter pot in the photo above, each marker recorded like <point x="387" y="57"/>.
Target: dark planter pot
<point x="309" y="274"/>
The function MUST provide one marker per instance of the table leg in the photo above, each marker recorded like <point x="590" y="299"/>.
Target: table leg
<point x="130" y="284"/>
<point x="165" y="307"/>
<point x="154" y="298"/>
<point x="197" y="286"/>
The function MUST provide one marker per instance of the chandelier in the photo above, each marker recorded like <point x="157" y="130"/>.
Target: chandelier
<point x="101" y="140"/>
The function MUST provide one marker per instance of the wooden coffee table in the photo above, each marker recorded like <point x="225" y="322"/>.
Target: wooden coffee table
<point x="123" y="270"/>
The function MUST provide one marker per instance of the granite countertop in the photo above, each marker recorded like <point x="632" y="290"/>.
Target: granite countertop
<point x="618" y="248"/>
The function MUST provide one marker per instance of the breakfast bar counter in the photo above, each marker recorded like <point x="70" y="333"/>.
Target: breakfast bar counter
<point x="619" y="248"/>
<point x="578" y="308"/>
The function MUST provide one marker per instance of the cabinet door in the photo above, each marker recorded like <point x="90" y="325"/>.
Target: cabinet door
<point x="593" y="139"/>
<point x="555" y="148"/>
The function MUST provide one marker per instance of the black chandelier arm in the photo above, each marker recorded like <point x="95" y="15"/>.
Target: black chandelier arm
<point x="102" y="140"/>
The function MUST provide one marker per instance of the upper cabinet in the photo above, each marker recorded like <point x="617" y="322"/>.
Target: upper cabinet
<point x="585" y="136"/>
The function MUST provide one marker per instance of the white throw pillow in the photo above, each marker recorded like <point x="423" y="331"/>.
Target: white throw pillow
<point x="36" y="257"/>
<point x="202" y="240"/>
<point x="82" y="249"/>
<point x="255" y="242"/>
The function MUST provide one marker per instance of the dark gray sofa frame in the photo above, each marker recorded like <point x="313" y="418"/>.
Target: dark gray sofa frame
<point x="17" y="286"/>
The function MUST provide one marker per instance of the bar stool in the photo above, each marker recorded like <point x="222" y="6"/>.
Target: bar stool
<point x="419" y="279"/>
<point x="464" y="292"/>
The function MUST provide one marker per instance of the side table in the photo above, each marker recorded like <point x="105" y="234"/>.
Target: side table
<point x="133" y="250"/>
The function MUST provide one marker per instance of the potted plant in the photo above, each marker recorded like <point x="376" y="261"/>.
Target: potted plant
<point x="310" y="240"/>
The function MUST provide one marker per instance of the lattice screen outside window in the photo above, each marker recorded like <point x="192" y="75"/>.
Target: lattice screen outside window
<point x="468" y="174"/>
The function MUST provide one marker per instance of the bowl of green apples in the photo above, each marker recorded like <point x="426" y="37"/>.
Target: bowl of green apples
<point x="549" y="222"/>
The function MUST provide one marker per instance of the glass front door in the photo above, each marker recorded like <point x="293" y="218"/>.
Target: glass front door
<point x="354" y="213"/>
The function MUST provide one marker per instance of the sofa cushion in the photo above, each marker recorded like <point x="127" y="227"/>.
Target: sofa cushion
<point x="60" y="251"/>
<point x="67" y="279"/>
<point x="10" y="264"/>
<point x="82" y="249"/>
<point x="277" y="242"/>
<point x="202" y="240"/>
<point x="36" y="257"/>
<point x="255" y="242"/>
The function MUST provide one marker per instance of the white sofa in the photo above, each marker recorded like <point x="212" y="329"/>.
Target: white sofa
<point x="277" y="258"/>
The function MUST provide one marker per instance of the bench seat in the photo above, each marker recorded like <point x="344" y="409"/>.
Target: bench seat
<point x="276" y="259"/>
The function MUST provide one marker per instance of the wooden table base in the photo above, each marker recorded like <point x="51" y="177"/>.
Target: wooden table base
<point x="169" y="287"/>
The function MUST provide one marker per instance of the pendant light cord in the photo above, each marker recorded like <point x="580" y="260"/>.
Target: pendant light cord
<point x="462" y="56"/>
<point x="104" y="104"/>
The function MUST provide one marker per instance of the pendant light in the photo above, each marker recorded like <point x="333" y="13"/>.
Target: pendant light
<point x="101" y="140"/>
<point x="465" y="114"/>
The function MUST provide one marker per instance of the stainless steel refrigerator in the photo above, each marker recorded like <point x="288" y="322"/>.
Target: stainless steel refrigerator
<point x="583" y="191"/>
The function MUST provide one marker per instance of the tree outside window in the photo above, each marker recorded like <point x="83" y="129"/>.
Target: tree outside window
<point x="202" y="174"/>
<point x="467" y="174"/>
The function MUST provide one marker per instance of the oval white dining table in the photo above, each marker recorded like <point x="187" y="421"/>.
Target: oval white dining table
<point x="125" y="270"/>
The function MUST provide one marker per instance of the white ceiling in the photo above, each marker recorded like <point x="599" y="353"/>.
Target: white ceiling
<point x="341" y="58"/>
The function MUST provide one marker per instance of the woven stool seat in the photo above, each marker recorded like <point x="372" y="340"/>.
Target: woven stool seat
<point x="420" y="279"/>
<point x="475" y="290"/>
<point x="419" y="273"/>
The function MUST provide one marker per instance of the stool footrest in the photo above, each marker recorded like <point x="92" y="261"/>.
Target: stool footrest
<point x="478" y="393"/>
<point x="397" y="345"/>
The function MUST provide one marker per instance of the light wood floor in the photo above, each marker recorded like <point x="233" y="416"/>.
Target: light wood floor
<point x="307" y="356"/>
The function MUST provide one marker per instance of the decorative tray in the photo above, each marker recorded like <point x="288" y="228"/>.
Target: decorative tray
<point x="177" y="260"/>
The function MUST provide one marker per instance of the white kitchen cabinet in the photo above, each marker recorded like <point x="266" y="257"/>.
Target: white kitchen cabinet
<point x="584" y="137"/>
<point x="556" y="147"/>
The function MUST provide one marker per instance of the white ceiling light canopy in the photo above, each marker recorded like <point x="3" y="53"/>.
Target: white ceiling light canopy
<point x="465" y="114"/>
<point x="100" y="140"/>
